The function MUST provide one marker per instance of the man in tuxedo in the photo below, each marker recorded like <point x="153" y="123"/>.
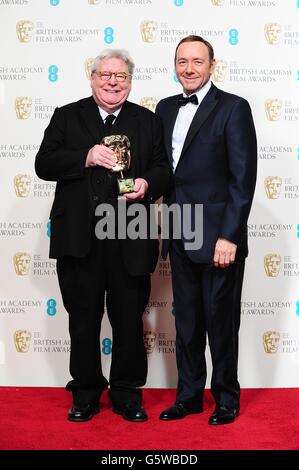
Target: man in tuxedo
<point x="211" y="144"/>
<point x="90" y="269"/>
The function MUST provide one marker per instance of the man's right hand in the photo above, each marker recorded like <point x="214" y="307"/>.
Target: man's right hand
<point x="100" y="155"/>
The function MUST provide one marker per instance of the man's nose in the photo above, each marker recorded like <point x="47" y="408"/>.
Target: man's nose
<point x="112" y="80"/>
<point x="189" y="67"/>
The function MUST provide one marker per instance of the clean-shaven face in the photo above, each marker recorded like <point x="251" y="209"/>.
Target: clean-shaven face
<point x="193" y="67"/>
<point x="110" y="94"/>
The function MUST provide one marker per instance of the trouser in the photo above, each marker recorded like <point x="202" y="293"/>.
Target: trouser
<point x="206" y="302"/>
<point x="84" y="282"/>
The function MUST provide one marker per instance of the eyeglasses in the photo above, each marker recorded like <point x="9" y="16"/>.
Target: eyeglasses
<point x="119" y="76"/>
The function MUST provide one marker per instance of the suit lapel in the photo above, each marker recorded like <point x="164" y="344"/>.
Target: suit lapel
<point x="91" y="117"/>
<point x="127" y="123"/>
<point x="204" y="110"/>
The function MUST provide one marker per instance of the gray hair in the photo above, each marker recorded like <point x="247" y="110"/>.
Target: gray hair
<point x="117" y="54"/>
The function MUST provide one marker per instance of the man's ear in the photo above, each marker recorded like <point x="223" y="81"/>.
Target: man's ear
<point x="212" y="66"/>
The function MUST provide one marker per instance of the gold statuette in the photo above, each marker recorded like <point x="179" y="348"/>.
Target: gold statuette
<point x="120" y="145"/>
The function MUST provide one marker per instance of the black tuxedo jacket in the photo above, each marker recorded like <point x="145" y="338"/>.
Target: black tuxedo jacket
<point x="217" y="168"/>
<point x="72" y="131"/>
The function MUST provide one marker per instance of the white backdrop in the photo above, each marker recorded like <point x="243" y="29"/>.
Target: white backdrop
<point x="45" y="48"/>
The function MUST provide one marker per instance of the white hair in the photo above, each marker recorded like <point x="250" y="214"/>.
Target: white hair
<point x="117" y="54"/>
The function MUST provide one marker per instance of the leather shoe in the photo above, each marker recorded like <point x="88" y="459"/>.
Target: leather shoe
<point x="223" y="415"/>
<point x="131" y="411"/>
<point x="179" y="410"/>
<point x="82" y="413"/>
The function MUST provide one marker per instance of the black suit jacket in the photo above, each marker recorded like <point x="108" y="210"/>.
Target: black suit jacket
<point x="217" y="168"/>
<point x="72" y="131"/>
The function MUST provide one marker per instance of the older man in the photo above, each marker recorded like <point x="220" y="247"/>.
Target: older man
<point x="88" y="268"/>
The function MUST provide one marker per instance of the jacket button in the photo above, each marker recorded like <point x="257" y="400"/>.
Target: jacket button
<point x="95" y="198"/>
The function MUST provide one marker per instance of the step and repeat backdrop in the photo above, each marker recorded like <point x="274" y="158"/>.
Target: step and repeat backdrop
<point x="47" y="47"/>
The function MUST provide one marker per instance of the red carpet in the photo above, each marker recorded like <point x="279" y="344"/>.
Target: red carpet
<point x="35" y="418"/>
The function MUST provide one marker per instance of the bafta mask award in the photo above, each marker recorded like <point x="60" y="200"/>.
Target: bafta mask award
<point x="120" y="144"/>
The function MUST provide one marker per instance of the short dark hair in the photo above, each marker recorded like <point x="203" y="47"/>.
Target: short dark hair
<point x="194" y="38"/>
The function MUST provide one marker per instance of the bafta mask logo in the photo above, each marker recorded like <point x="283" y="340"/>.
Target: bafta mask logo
<point x="273" y="109"/>
<point x="149" y="30"/>
<point x="24" y="30"/>
<point x="87" y="66"/>
<point x="218" y="3"/>
<point x="272" y="263"/>
<point x="21" y="263"/>
<point x="22" y="340"/>
<point x="149" y="338"/>
<point x="120" y="144"/>
<point x="273" y="186"/>
<point x="94" y="2"/>
<point x="149" y="102"/>
<point x="271" y="341"/>
<point x="219" y="71"/>
<point x="272" y="33"/>
<point x="23" y="107"/>
<point x="22" y="185"/>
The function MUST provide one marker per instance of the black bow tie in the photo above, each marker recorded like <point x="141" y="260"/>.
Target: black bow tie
<point x="191" y="99"/>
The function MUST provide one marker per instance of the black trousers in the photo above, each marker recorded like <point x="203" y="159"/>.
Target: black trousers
<point x="206" y="303"/>
<point x="84" y="282"/>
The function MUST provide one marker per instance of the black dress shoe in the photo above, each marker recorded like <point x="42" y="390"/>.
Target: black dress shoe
<point x="131" y="411"/>
<point x="82" y="413"/>
<point x="179" y="410"/>
<point x="223" y="415"/>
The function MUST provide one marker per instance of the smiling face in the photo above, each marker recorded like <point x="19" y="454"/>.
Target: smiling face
<point x="193" y="66"/>
<point x="111" y="94"/>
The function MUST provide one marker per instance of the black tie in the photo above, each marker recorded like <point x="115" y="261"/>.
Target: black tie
<point x="108" y="124"/>
<point x="190" y="99"/>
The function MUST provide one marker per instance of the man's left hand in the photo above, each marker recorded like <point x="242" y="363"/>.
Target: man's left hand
<point x="140" y="189"/>
<point x="225" y="253"/>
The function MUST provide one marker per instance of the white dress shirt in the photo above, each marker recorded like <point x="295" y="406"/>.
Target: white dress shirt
<point x="184" y="118"/>
<point x="104" y="113"/>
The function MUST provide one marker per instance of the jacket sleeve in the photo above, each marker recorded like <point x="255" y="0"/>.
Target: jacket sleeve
<point x="158" y="175"/>
<point x="55" y="159"/>
<point x="242" y="167"/>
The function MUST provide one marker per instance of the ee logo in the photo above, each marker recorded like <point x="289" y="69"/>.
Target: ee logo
<point x="53" y="71"/>
<point x="108" y="35"/>
<point x="51" y="307"/>
<point x="233" y="38"/>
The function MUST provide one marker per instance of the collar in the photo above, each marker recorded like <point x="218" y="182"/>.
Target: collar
<point x="104" y="113"/>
